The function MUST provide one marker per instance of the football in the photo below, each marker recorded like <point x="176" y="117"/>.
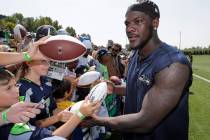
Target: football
<point x="62" y="48"/>
<point x="19" y="32"/>
<point x="76" y="106"/>
<point x="88" y="78"/>
<point x="98" y="92"/>
<point x="116" y="80"/>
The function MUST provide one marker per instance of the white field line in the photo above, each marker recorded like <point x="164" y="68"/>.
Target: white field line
<point x="202" y="78"/>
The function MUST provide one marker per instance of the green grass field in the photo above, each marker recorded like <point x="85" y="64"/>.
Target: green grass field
<point x="199" y="100"/>
<point x="201" y="65"/>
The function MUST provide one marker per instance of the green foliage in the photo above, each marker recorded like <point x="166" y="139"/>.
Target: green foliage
<point x="71" y="31"/>
<point x="44" y="21"/>
<point x="30" y="23"/>
<point x="198" y="50"/>
<point x="56" y="25"/>
<point x="18" y="17"/>
<point x="6" y="25"/>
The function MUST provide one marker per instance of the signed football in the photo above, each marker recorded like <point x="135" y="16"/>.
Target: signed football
<point x="62" y="48"/>
<point x="97" y="93"/>
<point x="88" y="78"/>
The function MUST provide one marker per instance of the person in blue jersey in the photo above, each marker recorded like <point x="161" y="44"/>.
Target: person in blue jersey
<point x="13" y="58"/>
<point x="157" y="82"/>
<point x="34" y="85"/>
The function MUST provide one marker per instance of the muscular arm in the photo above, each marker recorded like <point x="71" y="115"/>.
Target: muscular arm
<point x="157" y="103"/>
<point x="119" y="90"/>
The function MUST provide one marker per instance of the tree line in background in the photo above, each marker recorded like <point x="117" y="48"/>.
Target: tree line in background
<point x="7" y="23"/>
<point x="197" y="50"/>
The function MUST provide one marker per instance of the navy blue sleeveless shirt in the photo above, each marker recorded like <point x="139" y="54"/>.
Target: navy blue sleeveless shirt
<point x="140" y="78"/>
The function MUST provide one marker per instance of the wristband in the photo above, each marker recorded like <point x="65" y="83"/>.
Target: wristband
<point x="80" y="115"/>
<point x="4" y="116"/>
<point x="26" y="56"/>
<point x="21" y="98"/>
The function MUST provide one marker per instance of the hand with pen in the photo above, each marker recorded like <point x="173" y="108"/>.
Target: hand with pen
<point x="21" y="112"/>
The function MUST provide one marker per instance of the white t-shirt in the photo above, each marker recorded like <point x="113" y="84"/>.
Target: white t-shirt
<point x="84" y="60"/>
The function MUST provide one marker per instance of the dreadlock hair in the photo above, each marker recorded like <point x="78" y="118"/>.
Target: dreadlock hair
<point x="146" y="6"/>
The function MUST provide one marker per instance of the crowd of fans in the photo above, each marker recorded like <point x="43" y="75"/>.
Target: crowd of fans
<point x="34" y="84"/>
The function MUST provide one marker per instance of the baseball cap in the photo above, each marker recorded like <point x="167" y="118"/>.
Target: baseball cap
<point x="86" y="41"/>
<point x="45" y="30"/>
<point x="87" y="44"/>
<point x="62" y="32"/>
<point x="101" y="53"/>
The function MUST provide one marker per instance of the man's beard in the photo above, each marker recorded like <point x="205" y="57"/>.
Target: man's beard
<point x="142" y="44"/>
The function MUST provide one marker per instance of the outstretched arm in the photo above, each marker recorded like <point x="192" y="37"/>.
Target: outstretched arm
<point x="87" y="109"/>
<point x="7" y="58"/>
<point x="157" y="103"/>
